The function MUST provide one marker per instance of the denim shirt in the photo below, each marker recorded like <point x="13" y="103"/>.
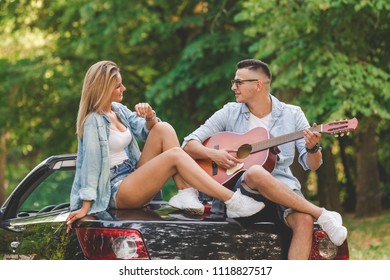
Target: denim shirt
<point x="92" y="178"/>
<point x="285" y="118"/>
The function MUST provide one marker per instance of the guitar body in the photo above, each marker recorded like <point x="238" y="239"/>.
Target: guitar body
<point x="231" y="140"/>
<point x="256" y="147"/>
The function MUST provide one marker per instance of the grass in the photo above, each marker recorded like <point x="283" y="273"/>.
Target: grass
<point x="369" y="238"/>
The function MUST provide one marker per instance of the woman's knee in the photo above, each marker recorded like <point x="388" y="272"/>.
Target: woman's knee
<point x="176" y="153"/>
<point x="163" y="127"/>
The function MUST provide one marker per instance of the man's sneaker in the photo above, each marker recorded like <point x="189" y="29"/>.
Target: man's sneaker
<point x="336" y="216"/>
<point x="242" y="206"/>
<point x="188" y="201"/>
<point x="331" y="224"/>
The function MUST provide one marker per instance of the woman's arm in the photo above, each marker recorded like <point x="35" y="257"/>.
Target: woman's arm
<point x="78" y="214"/>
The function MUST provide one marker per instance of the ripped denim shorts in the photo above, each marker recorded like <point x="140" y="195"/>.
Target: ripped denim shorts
<point x="117" y="174"/>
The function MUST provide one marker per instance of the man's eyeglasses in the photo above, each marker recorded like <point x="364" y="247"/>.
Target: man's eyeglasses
<point x="239" y="82"/>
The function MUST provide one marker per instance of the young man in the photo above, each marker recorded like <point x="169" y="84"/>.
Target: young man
<point x="256" y="107"/>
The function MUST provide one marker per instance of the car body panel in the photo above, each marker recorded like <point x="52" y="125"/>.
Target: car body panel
<point x="32" y="225"/>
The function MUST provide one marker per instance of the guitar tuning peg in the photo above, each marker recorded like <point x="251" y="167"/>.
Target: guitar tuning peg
<point x="342" y="134"/>
<point x="348" y="133"/>
<point x="336" y="135"/>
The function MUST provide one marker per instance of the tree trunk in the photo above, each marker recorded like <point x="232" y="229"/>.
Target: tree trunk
<point x="368" y="197"/>
<point x="3" y="156"/>
<point x="301" y="175"/>
<point x="328" y="191"/>
<point x="349" y="164"/>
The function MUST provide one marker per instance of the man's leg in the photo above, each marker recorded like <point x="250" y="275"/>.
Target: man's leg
<point x="301" y="225"/>
<point x="302" y="234"/>
<point x="259" y="179"/>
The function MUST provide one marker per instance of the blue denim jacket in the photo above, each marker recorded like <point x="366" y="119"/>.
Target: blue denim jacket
<point x="285" y="118"/>
<point x="92" y="179"/>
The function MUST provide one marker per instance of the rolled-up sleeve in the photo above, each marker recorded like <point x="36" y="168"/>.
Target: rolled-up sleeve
<point x="301" y="124"/>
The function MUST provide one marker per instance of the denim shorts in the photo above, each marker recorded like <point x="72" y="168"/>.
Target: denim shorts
<point x="117" y="174"/>
<point x="283" y="211"/>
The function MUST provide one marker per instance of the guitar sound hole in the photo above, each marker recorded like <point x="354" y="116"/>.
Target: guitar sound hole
<point x="244" y="151"/>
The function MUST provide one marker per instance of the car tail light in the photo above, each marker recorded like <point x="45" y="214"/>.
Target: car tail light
<point x="111" y="244"/>
<point x="323" y="249"/>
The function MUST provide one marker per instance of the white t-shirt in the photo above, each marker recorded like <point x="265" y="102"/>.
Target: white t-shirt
<point x="259" y="122"/>
<point x="117" y="142"/>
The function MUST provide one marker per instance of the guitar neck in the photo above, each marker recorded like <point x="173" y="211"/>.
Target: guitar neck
<point x="263" y="145"/>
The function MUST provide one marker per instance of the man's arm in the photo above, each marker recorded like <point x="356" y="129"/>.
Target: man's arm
<point x="312" y="139"/>
<point x="314" y="161"/>
<point x="224" y="158"/>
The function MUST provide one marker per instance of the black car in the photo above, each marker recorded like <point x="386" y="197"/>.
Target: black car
<point x="32" y="226"/>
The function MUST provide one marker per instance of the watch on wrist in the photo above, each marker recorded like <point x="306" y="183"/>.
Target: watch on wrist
<point x="314" y="149"/>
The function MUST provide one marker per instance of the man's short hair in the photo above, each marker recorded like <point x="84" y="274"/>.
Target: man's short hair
<point x="256" y="65"/>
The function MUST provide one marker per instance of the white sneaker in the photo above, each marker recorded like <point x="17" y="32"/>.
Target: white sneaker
<point x="188" y="201"/>
<point x="336" y="216"/>
<point x="242" y="206"/>
<point x="331" y="224"/>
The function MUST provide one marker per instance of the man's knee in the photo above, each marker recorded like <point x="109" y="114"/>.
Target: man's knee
<point x="255" y="171"/>
<point x="255" y="175"/>
<point x="300" y="221"/>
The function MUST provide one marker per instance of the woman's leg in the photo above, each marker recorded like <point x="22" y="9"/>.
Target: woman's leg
<point x="139" y="187"/>
<point x="161" y="159"/>
<point x="161" y="138"/>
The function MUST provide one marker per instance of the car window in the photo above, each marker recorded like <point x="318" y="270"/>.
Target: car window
<point x="54" y="190"/>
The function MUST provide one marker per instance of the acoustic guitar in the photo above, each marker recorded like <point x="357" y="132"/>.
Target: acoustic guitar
<point x="251" y="151"/>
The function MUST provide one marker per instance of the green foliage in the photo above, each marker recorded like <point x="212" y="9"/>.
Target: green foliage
<point x="206" y="46"/>
<point x="54" y="190"/>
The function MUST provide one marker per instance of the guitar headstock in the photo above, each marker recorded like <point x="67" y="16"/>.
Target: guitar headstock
<point x="340" y="127"/>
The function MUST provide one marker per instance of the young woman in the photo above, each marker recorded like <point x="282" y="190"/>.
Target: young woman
<point x="112" y="172"/>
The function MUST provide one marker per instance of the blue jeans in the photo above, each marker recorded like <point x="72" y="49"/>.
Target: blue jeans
<point x="117" y="174"/>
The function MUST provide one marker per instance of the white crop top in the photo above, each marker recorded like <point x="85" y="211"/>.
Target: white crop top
<point x="117" y="142"/>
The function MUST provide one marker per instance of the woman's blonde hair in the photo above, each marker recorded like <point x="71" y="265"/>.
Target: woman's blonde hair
<point x="99" y="82"/>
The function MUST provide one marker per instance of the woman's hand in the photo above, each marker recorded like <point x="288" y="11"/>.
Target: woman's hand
<point x="77" y="214"/>
<point x="73" y="216"/>
<point x="144" y="110"/>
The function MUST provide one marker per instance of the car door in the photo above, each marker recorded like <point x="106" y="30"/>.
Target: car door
<point x="32" y="225"/>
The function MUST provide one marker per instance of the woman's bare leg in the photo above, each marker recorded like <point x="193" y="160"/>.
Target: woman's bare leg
<point x="139" y="187"/>
<point x="161" y="138"/>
